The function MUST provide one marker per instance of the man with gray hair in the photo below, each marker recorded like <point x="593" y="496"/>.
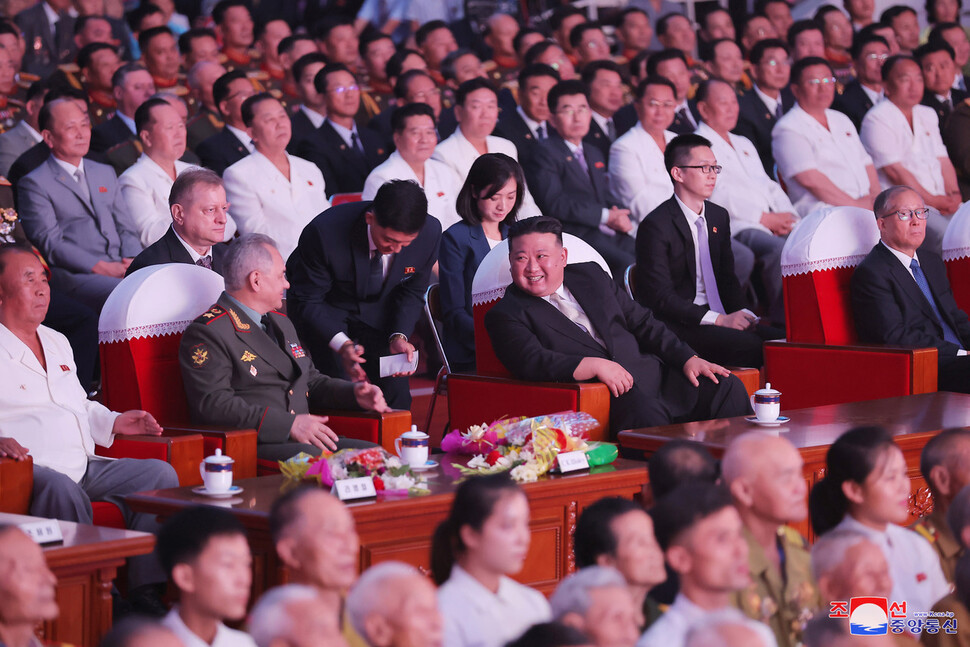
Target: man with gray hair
<point x="597" y="601"/>
<point x="720" y="629"/>
<point x="244" y="366"/>
<point x="903" y="298"/>
<point x="394" y="605"/>
<point x="292" y="615"/>
<point x="846" y="564"/>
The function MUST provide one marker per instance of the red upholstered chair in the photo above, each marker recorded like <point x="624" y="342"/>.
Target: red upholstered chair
<point x="956" y="255"/>
<point x="821" y="362"/>
<point x="338" y="199"/>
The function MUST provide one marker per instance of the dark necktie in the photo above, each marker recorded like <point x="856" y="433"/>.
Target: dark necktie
<point x="611" y="129"/>
<point x="376" y="276"/>
<point x="682" y="115"/>
<point x="541" y="132"/>
<point x="205" y="261"/>
<point x="924" y="287"/>
<point x="778" y="110"/>
<point x="355" y="144"/>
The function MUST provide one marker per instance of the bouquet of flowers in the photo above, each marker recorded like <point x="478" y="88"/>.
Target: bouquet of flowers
<point x="389" y="474"/>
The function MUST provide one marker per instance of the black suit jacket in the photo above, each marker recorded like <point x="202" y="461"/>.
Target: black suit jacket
<point x="44" y="53"/>
<point x="168" y="249"/>
<point x="625" y="119"/>
<point x="109" y="134"/>
<point x="512" y="127"/>
<point x="889" y="307"/>
<point x="562" y="188"/>
<point x="683" y="126"/>
<point x="599" y="139"/>
<point x="666" y="275"/>
<point x="343" y="171"/>
<point x="328" y="274"/>
<point x="854" y="103"/>
<point x="301" y="127"/>
<point x="942" y="110"/>
<point x="221" y="151"/>
<point x="755" y="122"/>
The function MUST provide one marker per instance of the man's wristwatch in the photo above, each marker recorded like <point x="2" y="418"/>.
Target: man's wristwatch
<point x="397" y="335"/>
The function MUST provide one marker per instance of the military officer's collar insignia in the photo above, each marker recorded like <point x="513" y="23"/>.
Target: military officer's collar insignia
<point x="213" y="313"/>
<point x="297" y="350"/>
<point x="200" y="355"/>
<point x="237" y="322"/>
<point x="248" y="356"/>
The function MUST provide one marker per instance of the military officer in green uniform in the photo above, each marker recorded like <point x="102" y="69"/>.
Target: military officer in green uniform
<point x="243" y="365"/>
<point x="764" y="474"/>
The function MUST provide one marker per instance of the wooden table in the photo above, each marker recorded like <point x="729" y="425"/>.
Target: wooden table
<point x="85" y="564"/>
<point x="912" y="419"/>
<point x="400" y="528"/>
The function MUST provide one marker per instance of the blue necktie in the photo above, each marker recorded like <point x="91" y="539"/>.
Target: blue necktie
<point x="924" y="287"/>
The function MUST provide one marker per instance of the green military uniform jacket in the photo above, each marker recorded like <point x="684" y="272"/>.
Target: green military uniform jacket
<point x="936" y="530"/>
<point x="237" y="375"/>
<point x="783" y="601"/>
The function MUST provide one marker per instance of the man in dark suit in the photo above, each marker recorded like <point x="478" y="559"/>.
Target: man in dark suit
<point x="243" y="365"/>
<point x="358" y="278"/>
<point x="685" y="266"/>
<point x="568" y="178"/>
<point x="605" y="82"/>
<point x="671" y="64"/>
<point x="233" y="142"/>
<point x="200" y="212"/>
<point x="47" y="44"/>
<point x="869" y="52"/>
<point x="312" y="110"/>
<point x="344" y="152"/>
<point x="529" y="124"/>
<point x="903" y="298"/>
<point x="762" y="105"/>
<point x="572" y="323"/>
<point x="132" y="86"/>
<point x="936" y="59"/>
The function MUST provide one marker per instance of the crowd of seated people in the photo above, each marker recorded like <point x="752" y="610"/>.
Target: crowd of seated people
<point x="220" y="134"/>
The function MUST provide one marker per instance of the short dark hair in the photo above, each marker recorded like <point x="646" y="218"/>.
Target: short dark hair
<point x="710" y="48"/>
<point x="565" y="89"/>
<point x="220" y="89"/>
<point x="639" y="60"/>
<point x="328" y="24"/>
<point x="136" y="16"/>
<point x="665" y="21"/>
<point x="798" y="67"/>
<point x="823" y="11"/>
<point x="560" y="13"/>
<point x="936" y="33"/>
<point x="550" y="634"/>
<point x="680" y="461"/>
<point x="37" y="89"/>
<point x="800" y="26"/>
<point x="320" y="80"/>
<point x="118" y="78"/>
<point x="761" y="6"/>
<point x="6" y="250"/>
<point x="594" y="536"/>
<point x="88" y="51"/>
<point x="642" y="86"/>
<point x="285" y="510"/>
<point x="536" y="70"/>
<point x="704" y="89"/>
<point x="628" y="11"/>
<point x="187" y="181"/>
<point x="538" y="49"/>
<point x="186" y="534"/>
<point x="223" y="6"/>
<point x="248" y="109"/>
<point x="371" y="36"/>
<point x="289" y="42"/>
<point x="7" y="27"/>
<point x="401" y="114"/>
<point x="889" y="15"/>
<point x="863" y="38"/>
<point x="447" y="66"/>
<point x="143" y="114"/>
<point x="421" y="35"/>
<point x="473" y="85"/>
<point x="130" y="631"/>
<point x="535" y="225"/>
<point x="679" y="148"/>
<point x="395" y="65"/>
<point x="520" y="36"/>
<point x="893" y="61"/>
<point x="82" y="21"/>
<point x="185" y="40"/>
<point x="932" y="47"/>
<point x="758" y="49"/>
<point x="401" y="205"/>
<point x="595" y="67"/>
<point x="488" y="174"/>
<point x="306" y="61"/>
<point x="146" y="36"/>
<point x="404" y="81"/>
<point x="663" y="56"/>
<point x="45" y="118"/>
<point x="681" y="509"/>
<point x="576" y="33"/>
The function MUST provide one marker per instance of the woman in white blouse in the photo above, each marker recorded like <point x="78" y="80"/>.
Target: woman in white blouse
<point x="484" y="540"/>
<point x="271" y="191"/>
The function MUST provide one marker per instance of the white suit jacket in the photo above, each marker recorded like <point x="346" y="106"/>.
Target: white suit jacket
<point x="441" y="185"/>
<point x="48" y="412"/>
<point x="743" y="187"/>
<point x="263" y="201"/>
<point x="458" y="153"/>
<point x="14" y="143"/>
<point x="889" y="140"/>
<point x="638" y="177"/>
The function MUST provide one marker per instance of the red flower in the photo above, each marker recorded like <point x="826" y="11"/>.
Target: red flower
<point x="378" y="483"/>
<point x="493" y="457"/>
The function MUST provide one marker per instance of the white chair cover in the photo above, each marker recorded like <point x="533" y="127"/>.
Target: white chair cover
<point x="829" y="238"/>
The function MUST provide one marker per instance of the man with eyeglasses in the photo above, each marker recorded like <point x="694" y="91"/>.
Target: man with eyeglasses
<point x="701" y="300"/>
<point x="769" y="98"/>
<point x="821" y="160"/>
<point x="589" y="43"/>
<point x="233" y="142"/>
<point x="903" y="138"/>
<point x="902" y="297"/>
<point x="869" y="52"/>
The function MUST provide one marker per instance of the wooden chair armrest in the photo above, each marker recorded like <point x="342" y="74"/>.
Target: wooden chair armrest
<point x="16" y="483"/>
<point x="750" y="377"/>
<point x="184" y="453"/>
<point x="390" y="425"/>
<point x="238" y="444"/>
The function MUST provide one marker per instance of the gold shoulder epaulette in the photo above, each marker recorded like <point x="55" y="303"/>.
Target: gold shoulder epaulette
<point x="793" y="537"/>
<point x="211" y="314"/>
<point x="927" y="534"/>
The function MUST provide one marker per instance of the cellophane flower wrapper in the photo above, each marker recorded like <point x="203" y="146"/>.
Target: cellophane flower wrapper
<point x="389" y="474"/>
<point x="477" y="439"/>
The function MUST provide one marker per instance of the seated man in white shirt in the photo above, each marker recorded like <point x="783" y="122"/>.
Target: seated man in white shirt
<point x="596" y="601"/>
<point x="413" y="126"/>
<point x="701" y="534"/>
<point x="394" y="605"/>
<point x="903" y="138"/>
<point x="821" y="160"/>
<point x="273" y="192"/>
<point x="207" y="557"/>
<point x="761" y="214"/>
<point x="45" y="412"/>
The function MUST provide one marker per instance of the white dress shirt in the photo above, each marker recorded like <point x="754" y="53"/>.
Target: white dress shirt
<point x="700" y="296"/>
<point x="564" y="294"/>
<point x="533" y="124"/>
<point x="638" y="177"/>
<point x="602" y="122"/>
<point x="670" y="629"/>
<point x="770" y="103"/>
<point x="913" y="564"/>
<point x="48" y="412"/>
<point x="459" y="153"/>
<point x="347" y="134"/>
<point x="875" y="97"/>
<point x="743" y="187"/>
<point x="145" y="188"/>
<point x="316" y="119"/>
<point x="889" y="140"/>
<point x="265" y="202"/>
<point x="800" y="143"/>
<point x="441" y="185"/>
<point x="128" y="121"/>
<point x="225" y="637"/>
<point x="476" y="617"/>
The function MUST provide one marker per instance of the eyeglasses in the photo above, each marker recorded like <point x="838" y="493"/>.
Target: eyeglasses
<point x="427" y="94"/>
<point x="345" y="88"/>
<point x="776" y="62"/>
<point x="570" y="112"/>
<point x="828" y="80"/>
<point x="877" y="57"/>
<point x="706" y="168"/>
<point x="906" y="214"/>
<point x="653" y="103"/>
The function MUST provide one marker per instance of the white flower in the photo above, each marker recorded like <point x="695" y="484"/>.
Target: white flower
<point x="403" y="482"/>
<point x="477" y="462"/>
<point x="525" y="473"/>
<point x="476" y="432"/>
<point x="393" y="462"/>
<point x="503" y="462"/>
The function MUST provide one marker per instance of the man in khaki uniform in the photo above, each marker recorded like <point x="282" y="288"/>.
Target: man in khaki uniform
<point x="764" y="475"/>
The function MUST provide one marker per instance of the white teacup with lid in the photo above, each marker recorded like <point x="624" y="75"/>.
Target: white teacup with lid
<point x="412" y="447"/>
<point x="766" y="403"/>
<point x="216" y="471"/>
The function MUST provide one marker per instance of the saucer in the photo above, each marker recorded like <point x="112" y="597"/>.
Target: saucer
<point x="232" y="491"/>
<point x="780" y="420"/>
<point x="430" y="465"/>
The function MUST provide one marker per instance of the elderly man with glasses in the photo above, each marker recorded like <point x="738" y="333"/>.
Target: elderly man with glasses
<point x="903" y="298"/>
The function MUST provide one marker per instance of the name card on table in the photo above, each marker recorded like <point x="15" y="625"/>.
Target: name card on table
<point x="572" y="461"/>
<point x="43" y="531"/>
<point x="358" y="488"/>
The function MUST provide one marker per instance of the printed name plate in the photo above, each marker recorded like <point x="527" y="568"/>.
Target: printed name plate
<point x="572" y="461"/>
<point x="358" y="488"/>
<point x="43" y="531"/>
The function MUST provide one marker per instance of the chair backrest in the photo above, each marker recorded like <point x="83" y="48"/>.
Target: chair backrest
<point x="343" y="198"/>
<point x="488" y="286"/>
<point x="139" y="332"/>
<point x="816" y="266"/>
<point x="956" y="255"/>
<point x="432" y="311"/>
